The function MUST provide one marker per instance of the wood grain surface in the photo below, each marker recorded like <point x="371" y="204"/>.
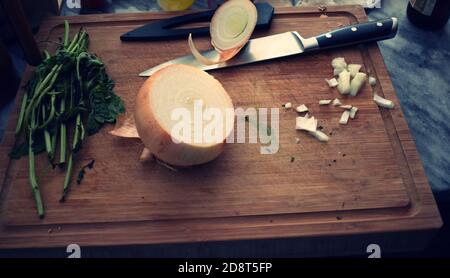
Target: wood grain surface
<point x="368" y="178"/>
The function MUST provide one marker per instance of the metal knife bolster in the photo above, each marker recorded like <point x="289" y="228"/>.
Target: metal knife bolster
<point x="291" y="43"/>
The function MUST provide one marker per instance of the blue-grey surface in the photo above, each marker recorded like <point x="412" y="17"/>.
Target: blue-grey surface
<point x="418" y="63"/>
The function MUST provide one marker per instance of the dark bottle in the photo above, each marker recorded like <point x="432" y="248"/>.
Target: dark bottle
<point x="429" y="14"/>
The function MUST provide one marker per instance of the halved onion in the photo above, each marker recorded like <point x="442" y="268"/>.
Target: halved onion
<point x="182" y="87"/>
<point x="231" y="27"/>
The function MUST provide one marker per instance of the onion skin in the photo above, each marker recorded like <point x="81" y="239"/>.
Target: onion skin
<point x="224" y="55"/>
<point x="159" y="141"/>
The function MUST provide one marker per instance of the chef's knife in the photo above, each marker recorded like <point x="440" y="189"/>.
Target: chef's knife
<point x="167" y="28"/>
<point x="291" y="43"/>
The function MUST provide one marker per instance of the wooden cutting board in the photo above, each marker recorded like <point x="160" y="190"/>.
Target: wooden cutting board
<point x="368" y="178"/>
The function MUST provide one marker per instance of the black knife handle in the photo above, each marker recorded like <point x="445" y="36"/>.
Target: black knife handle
<point x="165" y="29"/>
<point x="359" y="33"/>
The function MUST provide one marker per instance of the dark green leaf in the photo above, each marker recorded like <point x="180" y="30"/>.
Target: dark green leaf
<point x="19" y="151"/>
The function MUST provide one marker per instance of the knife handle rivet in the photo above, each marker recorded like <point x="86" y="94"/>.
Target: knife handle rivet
<point x="354" y="29"/>
<point x="328" y="35"/>
<point x="379" y="24"/>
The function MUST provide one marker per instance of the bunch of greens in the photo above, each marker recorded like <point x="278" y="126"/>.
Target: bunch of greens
<point x="69" y="89"/>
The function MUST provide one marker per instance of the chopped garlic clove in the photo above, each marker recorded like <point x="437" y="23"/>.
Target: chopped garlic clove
<point x="297" y="140"/>
<point x="322" y="137"/>
<point x="338" y="65"/>
<point x="337" y="102"/>
<point x="383" y="102"/>
<point x="308" y="124"/>
<point x="332" y="82"/>
<point x="353" y="69"/>
<point x="346" y="107"/>
<point x="344" y="118"/>
<point x="372" y="81"/>
<point x="302" y="108"/>
<point x="339" y="62"/>
<point x="324" y="101"/>
<point x="344" y="82"/>
<point x="357" y="83"/>
<point x="353" y="112"/>
<point x="287" y="105"/>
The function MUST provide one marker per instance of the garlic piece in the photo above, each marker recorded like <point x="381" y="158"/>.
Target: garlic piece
<point x="287" y="105"/>
<point x="322" y="137"/>
<point x="382" y="102"/>
<point x="332" y="82"/>
<point x="338" y="65"/>
<point x="308" y="124"/>
<point x="353" y="69"/>
<point x="353" y="112"/>
<point x="344" y="82"/>
<point x="337" y="102"/>
<point x="297" y="140"/>
<point x="146" y="155"/>
<point x="344" y="118"/>
<point x="346" y="107"/>
<point x="324" y="101"/>
<point x="372" y="81"/>
<point x="302" y="108"/>
<point x="357" y="83"/>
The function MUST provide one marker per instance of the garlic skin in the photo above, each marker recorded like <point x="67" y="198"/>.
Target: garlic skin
<point x="382" y="102"/>
<point x="344" y="117"/>
<point x="353" y="69"/>
<point x="357" y="83"/>
<point x="344" y="82"/>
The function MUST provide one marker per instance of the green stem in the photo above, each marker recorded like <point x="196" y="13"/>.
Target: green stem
<point x="66" y="33"/>
<point x="46" y="54"/>
<point x="32" y="176"/>
<point x="39" y="93"/>
<point x="62" y="135"/>
<point x="22" y="113"/>
<point x="73" y="42"/>
<point x="45" y="81"/>
<point x="48" y="145"/>
<point x="76" y="136"/>
<point x="51" y="116"/>
<point x="75" y="142"/>
<point x="67" y="179"/>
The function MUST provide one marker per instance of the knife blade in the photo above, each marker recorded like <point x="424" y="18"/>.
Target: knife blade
<point x="291" y="43"/>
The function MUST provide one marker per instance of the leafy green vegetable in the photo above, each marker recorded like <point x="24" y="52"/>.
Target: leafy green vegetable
<point x="70" y="93"/>
<point x="82" y="171"/>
